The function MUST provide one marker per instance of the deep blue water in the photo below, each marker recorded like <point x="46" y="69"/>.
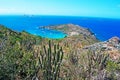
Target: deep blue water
<point x="104" y="28"/>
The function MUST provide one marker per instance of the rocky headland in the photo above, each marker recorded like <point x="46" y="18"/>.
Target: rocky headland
<point x="76" y="35"/>
<point x="71" y="30"/>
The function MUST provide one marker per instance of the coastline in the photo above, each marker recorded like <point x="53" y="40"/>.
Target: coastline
<point x="103" y="28"/>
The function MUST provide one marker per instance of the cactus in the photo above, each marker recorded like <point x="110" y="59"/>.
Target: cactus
<point x="50" y="61"/>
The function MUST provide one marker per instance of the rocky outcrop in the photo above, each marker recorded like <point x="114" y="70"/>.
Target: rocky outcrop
<point x="111" y="46"/>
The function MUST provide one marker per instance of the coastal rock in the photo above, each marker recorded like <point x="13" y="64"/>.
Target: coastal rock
<point x="114" y="40"/>
<point x="111" y="46"/>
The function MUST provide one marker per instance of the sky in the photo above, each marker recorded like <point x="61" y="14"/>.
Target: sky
<point x="92" y="8"/>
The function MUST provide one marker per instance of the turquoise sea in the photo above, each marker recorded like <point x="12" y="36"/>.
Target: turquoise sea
<point x="104" y="28"/>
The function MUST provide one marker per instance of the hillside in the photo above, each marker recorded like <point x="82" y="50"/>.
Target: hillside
<point x="25" y="56"/>
<point x="21" y="40"/>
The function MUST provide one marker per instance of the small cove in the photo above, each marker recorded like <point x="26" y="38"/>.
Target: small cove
<point x="104" y="28"/>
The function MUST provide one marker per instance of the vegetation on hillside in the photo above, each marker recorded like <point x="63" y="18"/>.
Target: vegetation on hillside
<point x="27" y="57"/>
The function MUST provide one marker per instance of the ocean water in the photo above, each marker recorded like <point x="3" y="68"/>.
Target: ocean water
<point x="104" y="28"/>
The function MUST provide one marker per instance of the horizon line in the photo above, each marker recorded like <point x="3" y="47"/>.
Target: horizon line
<point x="58" y="15"/>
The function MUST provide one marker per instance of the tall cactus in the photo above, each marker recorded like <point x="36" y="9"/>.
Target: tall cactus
<point x="50" y="61"/>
